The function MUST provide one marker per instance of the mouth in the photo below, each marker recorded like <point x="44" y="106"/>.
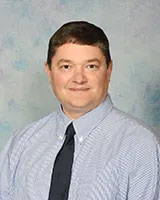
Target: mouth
<point x="79" y="89"/>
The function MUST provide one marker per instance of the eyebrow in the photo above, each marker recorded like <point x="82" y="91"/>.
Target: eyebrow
<point x="64" y="60"/>
<point x="93" y="60"/>
<point x="86" y="61"/>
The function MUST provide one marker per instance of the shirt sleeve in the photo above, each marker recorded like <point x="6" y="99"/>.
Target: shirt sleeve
<point x="8" y="162"/>
<point x="5" y="171"/>
<point x="144" y="179"/>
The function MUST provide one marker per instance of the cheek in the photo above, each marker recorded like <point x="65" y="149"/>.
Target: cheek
<point x="99" y="81"/>
<point x="102" y="85"/>
<point x="59" y="81"/>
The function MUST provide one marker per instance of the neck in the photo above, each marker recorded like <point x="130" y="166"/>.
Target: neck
<point x="77" y="112"/>
<point x="74" y="115"/>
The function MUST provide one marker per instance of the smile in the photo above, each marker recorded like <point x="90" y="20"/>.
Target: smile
<point x="79" y="89"/>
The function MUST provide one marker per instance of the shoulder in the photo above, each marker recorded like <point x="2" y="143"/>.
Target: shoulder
<point x="137" y="143"/>
<point x="22" y="137"/>
<point x="132" y="130"/>
<point x="130" y="121"/>
<point x="36" y="125"/>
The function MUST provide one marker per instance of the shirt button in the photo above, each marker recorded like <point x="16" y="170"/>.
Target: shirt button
<point x="60" y="137"/>
<point x="80" y="139"/>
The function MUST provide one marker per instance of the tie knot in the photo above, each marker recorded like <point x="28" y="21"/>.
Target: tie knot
<point x="70" y="132"/>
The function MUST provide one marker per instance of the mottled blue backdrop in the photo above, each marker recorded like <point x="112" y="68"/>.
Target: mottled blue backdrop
<point x="133" y="28"/>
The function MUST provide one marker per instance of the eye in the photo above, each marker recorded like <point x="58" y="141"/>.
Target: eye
<point x="65" y="67"/>
<point x="92" y="66"/>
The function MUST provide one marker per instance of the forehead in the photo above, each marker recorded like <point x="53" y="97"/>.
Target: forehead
<point x="78" y="52"/>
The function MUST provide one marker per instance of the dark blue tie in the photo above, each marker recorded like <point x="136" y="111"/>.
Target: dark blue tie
<point x="62" y="169"/>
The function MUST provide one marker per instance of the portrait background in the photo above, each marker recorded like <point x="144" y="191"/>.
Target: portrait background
<point x="133" y="29"/>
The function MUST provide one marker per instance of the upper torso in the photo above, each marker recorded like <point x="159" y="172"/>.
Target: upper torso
<point x="109" y="148"/>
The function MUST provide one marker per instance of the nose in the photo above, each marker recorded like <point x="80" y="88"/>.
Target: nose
<point x="79" y="76"/>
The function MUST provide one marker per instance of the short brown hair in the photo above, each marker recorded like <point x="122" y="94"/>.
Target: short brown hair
<point x="79" y="32"/>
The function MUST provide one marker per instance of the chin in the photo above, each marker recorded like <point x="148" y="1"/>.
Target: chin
<point x="82" y="107"/>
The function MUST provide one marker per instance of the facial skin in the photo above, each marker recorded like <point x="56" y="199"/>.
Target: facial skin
<point x="79" y="78"/>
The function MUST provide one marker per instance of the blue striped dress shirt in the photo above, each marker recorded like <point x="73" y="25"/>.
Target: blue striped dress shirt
<point x="116" y="158"/>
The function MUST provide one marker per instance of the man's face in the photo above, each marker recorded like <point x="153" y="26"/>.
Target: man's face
<point x="79" y="78"/>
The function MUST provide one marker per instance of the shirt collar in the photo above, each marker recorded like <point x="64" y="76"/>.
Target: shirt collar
<point x="86" y="123"/>
<point x="62" y="121"/>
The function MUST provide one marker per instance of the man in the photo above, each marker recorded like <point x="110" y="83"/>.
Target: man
<point x="110" y="155"/>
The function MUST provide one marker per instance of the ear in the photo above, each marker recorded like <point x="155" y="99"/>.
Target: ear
<point x="109" y="70"/>
<point x="47" y="70"/>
